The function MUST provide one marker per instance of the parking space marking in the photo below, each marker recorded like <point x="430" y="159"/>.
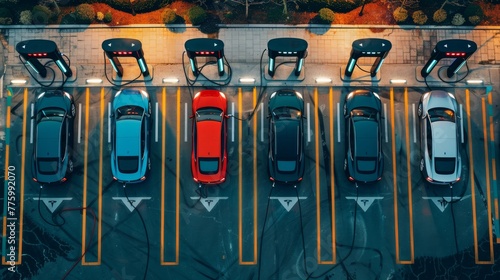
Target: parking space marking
<point x="255" y="204"/>
<point x="232" y="122"/>
<point x="85" y="171"/>
<point x="493" y="164"/>
<point x="385" y="124"/>
<point x="414" y="118"/>
<point x="156" y="122"/>
<point x="79" y="122"/>
<point x="487" y="177"/>
<point x="316" y="169"/>
<point x="101" y="154"/>
<point x="185" y="122"/>
<point x="461" y="124"/>
<point x="261" y="121"/>
<point x="23" y="172"/>
<point x="338" y="122"/>
<point x="109" y="122"/>
<point x="332" y="177"/>
<point x="31" y="122"/>
<point x="308" y="122"/>
<point x="408" y="166"/>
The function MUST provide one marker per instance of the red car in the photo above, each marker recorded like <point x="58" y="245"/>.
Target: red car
<point x="209" y="154"/>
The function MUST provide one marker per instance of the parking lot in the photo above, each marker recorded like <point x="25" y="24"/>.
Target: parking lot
<point x="325" y="228"/>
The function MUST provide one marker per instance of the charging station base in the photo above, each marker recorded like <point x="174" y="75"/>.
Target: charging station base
<point x="58" y="75"/>
<point x="284" y="73"/>
<point x="130" y="75"/>
<point x="358" y="75"/>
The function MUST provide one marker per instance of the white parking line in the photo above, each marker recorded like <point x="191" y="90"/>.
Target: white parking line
<point x="461" y="125"/>
<point x="261" y="122"/>
<point x="232" y="122"/>
<point x="338" y="122"/>
<point x="156" y="122"/>
<point x="385" y="123"/>
<point x="31" y="129"/>
<point x="185" y="122"/>
<point x="414" y="124"/>
<point x="308" y="123"/>
<point x="109" y="122"/>
<point x="79" y="121"/>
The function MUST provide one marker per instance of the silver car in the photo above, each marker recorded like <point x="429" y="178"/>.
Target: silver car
<point x="439" y="138"/>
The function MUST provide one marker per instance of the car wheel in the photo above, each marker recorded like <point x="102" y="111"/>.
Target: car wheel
<point x="345" y="109"/>
<point x="149" y="108"/>
<point x="70" y="166"/>
<point x="419" y="110"/>
<point x="422" y="165"/>
<point x="149" y="163"/>
<point x="73" y="110"/>
<point x="345" y="164"/>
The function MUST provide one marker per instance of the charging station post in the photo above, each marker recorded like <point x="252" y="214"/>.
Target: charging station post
<point x="205" y="47"/>
<point x="33" y="50"/>
<point x="288" y="47"/>
<point x="369" y="47"/>
<point x="125" y="47"/>
<point x="458" y="49"/>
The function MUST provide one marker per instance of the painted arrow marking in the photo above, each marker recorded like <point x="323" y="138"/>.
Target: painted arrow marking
<point x="134" y="200"/>
<point x="209" y="202"/>
<point x="288" y="202"/>
<point x="365" y="202"/>
<point x="52" y="202"/>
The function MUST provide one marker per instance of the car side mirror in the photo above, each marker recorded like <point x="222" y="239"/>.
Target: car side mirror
<point x="192" y="116"/>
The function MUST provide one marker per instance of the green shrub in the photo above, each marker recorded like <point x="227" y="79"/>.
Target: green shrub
<point x="69" y="19"/>
<point x="99" y="16"/>
<point x="419" y="17"/>
<point x="140" y="6"/>
<point x="400" y="14"/>
<point x="197" y="15"/>
<point x="25" y="17"/>
<point x="326" y="15"/>
<point x="440" y="15"/>
<point x="275" y="14"/>
<point x="458" y="19"/>
<point x="474" y="13"/>
<point x="41" y="14"/>
<point x="210" y="25"/>
<point x="5" y="21"/>
<point x="168" y="16"/>
<point x="84" y="13"/>
<point x="108" y="17"/>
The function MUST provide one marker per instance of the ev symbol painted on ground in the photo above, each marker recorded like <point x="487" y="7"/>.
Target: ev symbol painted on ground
<point x="52" y="202"/>
<point x="134" y="200"/>
<point x="288" y="202"/>
<point x="209" y="202"/>
<point x="365" y="202"/>
<point x="442" y="202"/>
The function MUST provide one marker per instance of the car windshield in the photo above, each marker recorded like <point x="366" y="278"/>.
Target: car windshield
<point x="47" y="165"/>
<point x="50" y="114"/>
<point x="209" y="114"/>
<point x="286" y="165"/>
<point x="209" y="165"/>
<point x="127" y="164"/>
<point x="286" y="113"/>
<point x="445" y="165"/>
<point x="442" y="114"/>
<point x="364" y="112"/>
<point x="129" y="112"/>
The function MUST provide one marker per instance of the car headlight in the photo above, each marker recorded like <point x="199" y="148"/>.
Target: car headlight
<point x="197" y="94"/>
<point x="451" y="95"/>
<point x="350" y="95"/>
<point x="118" y="93"/>
<point x="299" y="95"/>
<point x="376" y="95"/>
<point x="222" y="94"/>
<point x="272" y="95"/>
<point x="67" y="95"/>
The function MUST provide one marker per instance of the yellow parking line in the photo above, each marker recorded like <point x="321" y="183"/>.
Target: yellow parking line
<point x="408" y="164"/>
<point x="318" y="183"/>
<point x="162" y="196"/>
<point x="23" y="170"/>
<point x="394" y="174"/>
<point x="101" y="150"/>
<point x="488" y="186"/>
<point x="6" y="172"/>
<point x="85" y="170"/>
<point x="493" y="164"/>
<point x="178" y="176"/>
<point x="255" y="205"/>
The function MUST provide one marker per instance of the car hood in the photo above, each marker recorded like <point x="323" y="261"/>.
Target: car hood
<point x="440" y="99"/>
<point x="444" y="139"/>
<point x="286" y="101"/>
<point x="361" y="100"/>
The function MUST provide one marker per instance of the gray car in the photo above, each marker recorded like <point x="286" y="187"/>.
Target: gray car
<point x="440" y="161"/>
<point x="131" y="123"/>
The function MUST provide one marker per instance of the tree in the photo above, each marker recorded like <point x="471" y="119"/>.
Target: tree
<point x="248" y="3"/>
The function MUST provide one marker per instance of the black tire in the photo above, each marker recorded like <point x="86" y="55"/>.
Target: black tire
<point x="422" y="165"/>
<point x="419" y="110"/>
<point x="70" y="166"/>
<point x="73" y="110"/>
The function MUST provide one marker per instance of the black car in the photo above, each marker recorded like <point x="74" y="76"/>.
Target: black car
<point x="53" y="137"/>
<point x="286" y="151"/>
<point x="364" y="160"/>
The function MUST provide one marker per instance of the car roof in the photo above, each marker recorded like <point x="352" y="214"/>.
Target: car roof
<point x="444" y="141"/>
<point x="209" y="138"/>
<point x="128" y="137"/>
<point x="286" y="132"/>
<point x="48" y="139"/>
<point x="366" y="140"/>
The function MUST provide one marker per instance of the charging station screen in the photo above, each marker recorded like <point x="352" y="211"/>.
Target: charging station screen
<point x="287" y="47"/>
<point x="122" y="47"/>
<point x="204" y="47"/>
<point x="37" y="48"/>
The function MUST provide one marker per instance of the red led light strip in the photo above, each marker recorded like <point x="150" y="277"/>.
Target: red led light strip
<point x="122" y="53"/>
<point x="204" y="53"/>
<point x="455" y="54"/>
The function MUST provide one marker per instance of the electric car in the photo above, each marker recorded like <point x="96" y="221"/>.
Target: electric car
<point x="53" y="137"/>
<point x="130" y="131"/>
<point x="209" y="153"/>
<point x="286" y="133"/>
<point x="364" y="160"/>
<point x="440" y="161"/>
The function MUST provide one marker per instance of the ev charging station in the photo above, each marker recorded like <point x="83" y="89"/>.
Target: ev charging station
<point x="125" y="47"/>
<point x="457" y="49"/>
<point x="205" y="47"/>
<point x="34" y="50"/>
<point x="286" y="47"/>
<point x="369" y="47"/>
